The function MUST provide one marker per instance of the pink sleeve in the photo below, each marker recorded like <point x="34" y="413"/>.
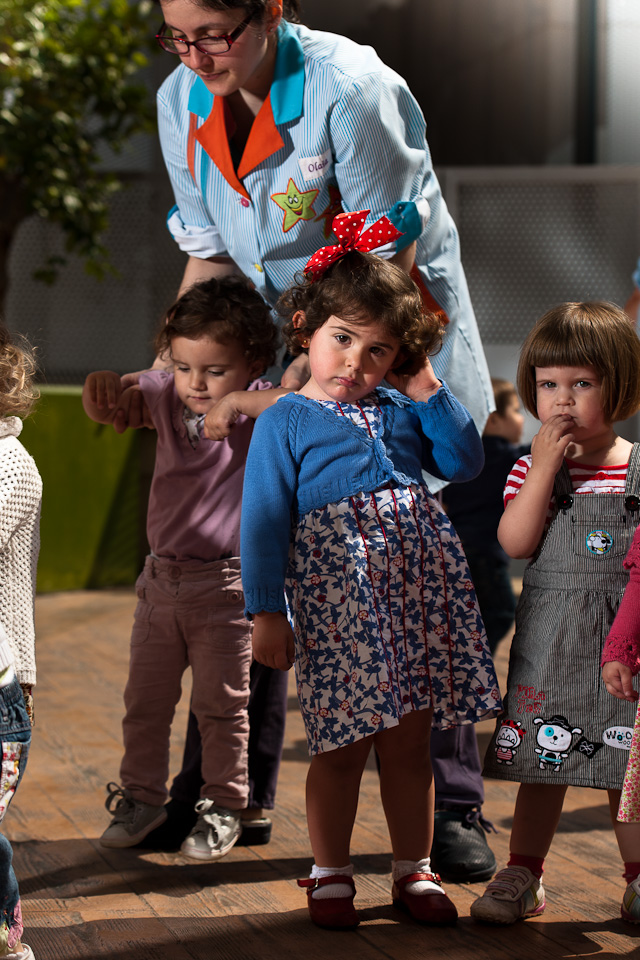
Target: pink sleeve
<point x="623" y="641"/>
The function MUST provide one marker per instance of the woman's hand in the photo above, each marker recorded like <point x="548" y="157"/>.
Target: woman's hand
<point x="617" y="679"/>
<point x="419" y="386"/>
<point x="273" y="642"/>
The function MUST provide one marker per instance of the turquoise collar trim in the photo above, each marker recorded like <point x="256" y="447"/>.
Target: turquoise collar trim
<point x="287" y="87"/>
<point x="200" y="98"/>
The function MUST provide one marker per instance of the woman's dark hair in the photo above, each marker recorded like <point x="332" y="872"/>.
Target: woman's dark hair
<point x="226" y="309"/>
<point x="592" y="334"/>
<point x="290" y="8"/>
<point x="362" y="288"/>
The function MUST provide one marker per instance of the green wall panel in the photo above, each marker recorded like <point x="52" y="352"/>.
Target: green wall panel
<point x="91" y="510"/>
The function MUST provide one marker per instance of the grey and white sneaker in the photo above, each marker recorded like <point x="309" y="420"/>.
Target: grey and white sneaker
<point x="215" y="832"/>
<point x="513" y="893"/>
<point x="132" y="819"/>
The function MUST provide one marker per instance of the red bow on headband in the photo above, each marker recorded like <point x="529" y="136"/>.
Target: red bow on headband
<point x="348" y="229"/>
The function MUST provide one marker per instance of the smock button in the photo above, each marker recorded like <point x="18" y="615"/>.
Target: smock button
<point x="259" y="267"/>
<point x="174" y="573"/>
<point x="632" y="502"/>
<point x="564" y="501"/>
<point x="245" y="202"/>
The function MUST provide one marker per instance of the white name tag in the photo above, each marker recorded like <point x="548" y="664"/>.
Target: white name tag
<point x="313" y="168"/>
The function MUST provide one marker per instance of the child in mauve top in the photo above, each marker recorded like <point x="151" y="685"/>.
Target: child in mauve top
<point x="388" y="634"/>
<point x="20" y="497"/>
<point x="572" y="506"/>
<point x="220" y="337"/>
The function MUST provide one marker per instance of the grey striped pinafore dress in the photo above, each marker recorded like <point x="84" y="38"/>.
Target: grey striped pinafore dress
<point x="560" y="724"/>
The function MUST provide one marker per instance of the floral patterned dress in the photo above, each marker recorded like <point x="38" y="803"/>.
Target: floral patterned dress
<point x="385" y="614"/>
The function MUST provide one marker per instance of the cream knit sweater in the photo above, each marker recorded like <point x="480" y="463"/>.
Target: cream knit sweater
<point x="20" y="496"/>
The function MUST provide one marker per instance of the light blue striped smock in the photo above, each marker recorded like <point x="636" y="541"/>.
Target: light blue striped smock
<point x="338" y="123"/>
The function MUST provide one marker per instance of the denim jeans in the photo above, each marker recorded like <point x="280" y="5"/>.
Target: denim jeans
<point x="15" y="733"/>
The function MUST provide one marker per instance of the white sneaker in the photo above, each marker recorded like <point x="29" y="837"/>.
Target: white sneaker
<point x="21" y="951"/>
<point x="215" y="832"/>
<point x="132" y="819"/>
<point x="630" y="909"/>
<point x="513" y="893"/>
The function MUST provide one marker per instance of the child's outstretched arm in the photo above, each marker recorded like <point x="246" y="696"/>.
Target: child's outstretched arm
<point x="222" y="417"/>
<point x="105" y="401"/>
<point x="523" y="521"/>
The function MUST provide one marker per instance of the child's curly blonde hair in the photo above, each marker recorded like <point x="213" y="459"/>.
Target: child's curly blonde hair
<point x="18" y="393"/>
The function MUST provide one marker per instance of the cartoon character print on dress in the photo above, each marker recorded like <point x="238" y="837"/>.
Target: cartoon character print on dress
<point x="554" y="738"/>
<point x="296" y="203"/>
<point x="599" y="542"/>
<point x="578" y="733"/>
<point x="508" y="739"/>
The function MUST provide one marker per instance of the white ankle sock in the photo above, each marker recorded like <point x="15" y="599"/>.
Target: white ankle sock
<point x="331" y="891"/>
<point x="402" y="868"/>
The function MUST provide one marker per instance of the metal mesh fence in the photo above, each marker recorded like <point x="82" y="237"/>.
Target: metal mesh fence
<point x="532" y="238"/>
<point x="81" y="324"/>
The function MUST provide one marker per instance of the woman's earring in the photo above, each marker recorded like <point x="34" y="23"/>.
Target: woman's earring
<point x="304" y="343"/>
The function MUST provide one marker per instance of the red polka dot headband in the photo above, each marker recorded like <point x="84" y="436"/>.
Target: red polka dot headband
<point x="348" y="229"/>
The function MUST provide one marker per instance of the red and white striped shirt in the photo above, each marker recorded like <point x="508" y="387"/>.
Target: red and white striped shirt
<point x="585" y="478"/>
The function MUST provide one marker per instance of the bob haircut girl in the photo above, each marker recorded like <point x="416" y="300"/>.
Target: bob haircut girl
<point x="388" y="633"/>
<point x="574" y="515"/>
<point x="596" y="334"/>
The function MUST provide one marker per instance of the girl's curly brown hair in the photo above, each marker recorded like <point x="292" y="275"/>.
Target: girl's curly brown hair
<point x="227" y="309"/>
<point x="17" y="370"/>
<point x="363" y="288"/>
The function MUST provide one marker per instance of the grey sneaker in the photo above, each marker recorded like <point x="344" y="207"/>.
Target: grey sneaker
<point x="215" y="832"/>
<point x="132" y="819"/>
<point x="513" y="893"/>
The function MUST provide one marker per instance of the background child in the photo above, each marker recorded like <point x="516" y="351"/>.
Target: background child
<point x="20" y="496"/>
<point x="571" y="506"/>
<point x="388" y="633"/>
<point x="621" y="662"/>
<point x="220" y="336"/>
<point x="475" y="509"/>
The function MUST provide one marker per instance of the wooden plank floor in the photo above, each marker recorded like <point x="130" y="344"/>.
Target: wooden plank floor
<point x="82" y="902"/>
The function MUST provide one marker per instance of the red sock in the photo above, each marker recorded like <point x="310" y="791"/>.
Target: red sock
<point x="631" y="871"/>
<point x="535" y="864"/>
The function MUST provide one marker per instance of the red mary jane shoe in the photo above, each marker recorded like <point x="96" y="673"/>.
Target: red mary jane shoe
<point x="335" y="914"/>
<point x="434" y="908"/>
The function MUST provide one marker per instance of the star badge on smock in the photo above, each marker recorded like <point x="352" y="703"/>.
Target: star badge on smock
<point x="297" y="205"/>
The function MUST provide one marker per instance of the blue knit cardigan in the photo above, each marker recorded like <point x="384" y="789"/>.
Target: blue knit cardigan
<point x="302" y="457"/>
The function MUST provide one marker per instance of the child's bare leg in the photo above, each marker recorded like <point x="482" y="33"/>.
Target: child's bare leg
<point x="408" y="793"/>
<point x="627" y="834"/>
<point x="333" y="784"/>
<point x="536" y="817"/>
<point x="516" y="891"/>
<point x="406" y="785"/>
